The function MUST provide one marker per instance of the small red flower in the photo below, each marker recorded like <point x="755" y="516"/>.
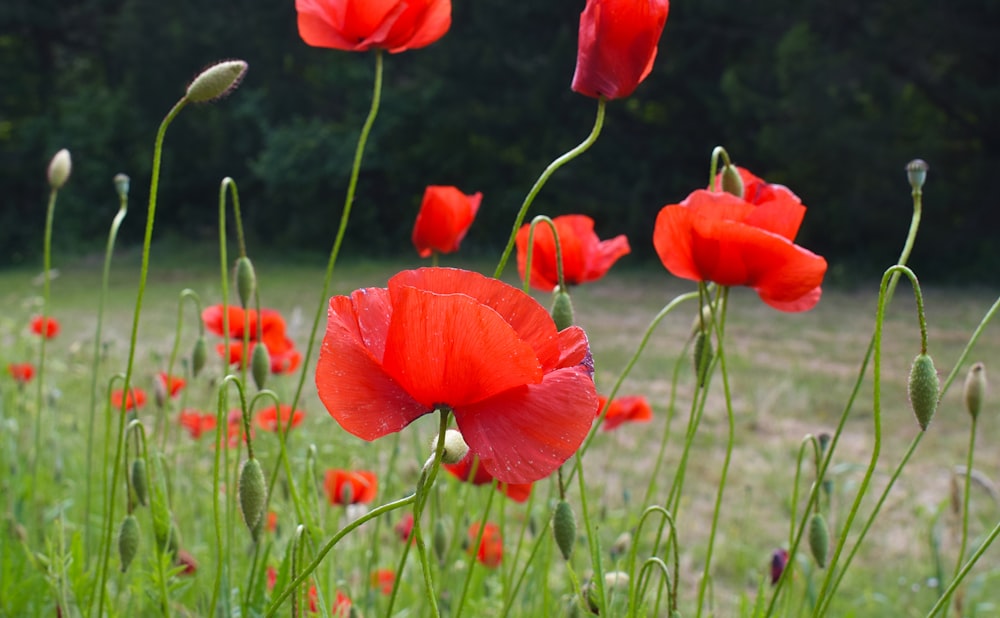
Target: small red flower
<point x="350" y="487"/>
<point x="240" y="321"/>
<point x="169" y="385"/>
<point x="779" y="560"/>
<point x="463" y="471"/>
<point x="21" y="372"/>
<point x="186" y="560"/>
<point x="234" y="428"/>
<point x="45" y="327"/>
<point x="284" y="357"/>
<point x="490" y="550"/>
<point x="360" y="25"/>
<point x="522" y="393"/>
<point x="268" y="418"/>
<point x="713" y="236"/>
<point x="135" y="400"/>
<point x="585" y="256"/>
<point x="404" y="529"/>
<point x="341" y="606"/>
<point x="272" y="521"/>
<point x="196" y="422"/>
<point x="628" y="409"/>
<point x="384" y="580"/>
<point x="445" y="216"/>
<point x="618" y="43"/>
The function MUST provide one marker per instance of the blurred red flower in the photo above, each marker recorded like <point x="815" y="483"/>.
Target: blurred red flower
<point x="240" y="321"/>
<point x="404" y="528"/>
<point x="585" y="256"/>
<point x="384" y="580"/>
<point x="268" y="418"/>
<point x="196" y="422"/>
<point x="169" y="385"/>
<point x="284" y="357"/>
<point x="234" y="428"/>
<point x="360" y="25"/>
<point x="186" y="560"/>
<point x="490" y="550"/>
<point x="463" y="471"/>
<point x="522" y="392"/>
<point x="628" y="409"/>
<point x="46" y="327"/>
<point x="135" y="400"/>
<point x="618" y="43"/>
<point x="445" y="216"/>
<point x="350" y="486"/>
<point x="715" y="236"/>
<point x="21" y="372"/>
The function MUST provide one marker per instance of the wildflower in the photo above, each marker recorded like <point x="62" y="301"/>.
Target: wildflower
<point x="268" y="418"/>
<point x="360" y="25"/>
<point x="341" y="606"/>
<point x="135" y="399"/>
<point x="21" y="372"/>
<point x="350" y="487"/>
<point x="45" y="327"/>
<point x="490" y="550"/>
<point x="444" y="218"/>
<point x="240" y="321"/>
<point x="585" y="257"/>
<point x="196" y="422"/>
<point x="628" y="409"/>
<point x="404" y="528"/>
<point x="522" y="393"/>
<point x="272" y="521"/>
<point x="283" y="355"/>
<point x="463" y="471"/>
<point x="618" y="43"/>
<point x="186" y="560"/>
<point x="166" y="385"/>
<point x="717" y="236"/>
<point x="779" y="559"/>
<point x="384" y="580"/>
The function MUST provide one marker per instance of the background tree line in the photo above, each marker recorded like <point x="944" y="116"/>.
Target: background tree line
<point x="829" y="97"/>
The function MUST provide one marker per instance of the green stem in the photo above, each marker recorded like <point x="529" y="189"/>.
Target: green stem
<point x="965" y="496"/>
<point x="46" y="286"/>
<point x="592" y="540"/>
<point x="424" y="487"/>
<point x="965" y="571"/>
<point x="555" y="165"/>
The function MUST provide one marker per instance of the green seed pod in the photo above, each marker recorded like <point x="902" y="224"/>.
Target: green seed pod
<point x="924" y="389"/>
<point x="253" y="493"/>
<point x="702" y="357"/>
<point x="128" y="540"/>
<point x="122" y="183"/>
<point x="439" y="541"/>
<point x="564" y="528"/>
<point x="260" y="365"/>
<point x="562" y="310"/>
<point x="975" y="389"/>
<point x="916" y="173"/>
<point x="731" y="181"/>
<point x="199" y="356"/>
<point x="819" y="539"/>
<point x="217" y="81"/>
<point x="246" y="280"/>
<point x="139" y="485"/>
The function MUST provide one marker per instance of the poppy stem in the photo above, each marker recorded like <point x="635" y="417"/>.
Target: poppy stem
<point x="555" y="165"/>
<point x="46" y="322"/>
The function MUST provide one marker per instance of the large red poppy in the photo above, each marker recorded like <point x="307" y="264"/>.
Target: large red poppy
<point x="463" y="471"/>
<point x="618" y="43"/>
<point x="46" y="327"/>
<point x="350" y="486"/>
<point x="714" y="236"/>
<point x="445" y="216"/>
<point x="360" y="25"/>
<point x="522" y="392"/>
<point x="585" y="256"/>
<point x="627" y="409"/>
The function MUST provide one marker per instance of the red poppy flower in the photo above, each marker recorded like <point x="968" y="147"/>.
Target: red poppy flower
<point x="463" y="471"/>
<point x="628" y="409"/>
<point x="46" y="327"/>
<point x="758" y="191"/>
<point x="21" y="372"/>
<point x="341" y="606"/>
<point x="726" y="239"/>
<point x="585" y="256"/>
<point x="490" y="550"/>
<point x="404" y="529"/>
<point x="135" y="400"/>
<point x="196" y="422"/>
<point x="360" y="25"/>
<point x="267" y="419"/>
<point x="169" y="385"/>
<point x="272" y="521"/>
<point x="618" y="42"/>
<point x="445" y="216"/>
<point x="240" y="321"/>
<point x="522" y="392"/>
<point x="350" y="486"/>
<point x="384" y="580"/>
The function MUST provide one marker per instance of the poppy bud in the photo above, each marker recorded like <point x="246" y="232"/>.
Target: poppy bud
<point x="702" y="357"/>
<point x="246" y="280"/>
<point x="562" y="310"/>
<point x="975" y="389"/>
<point x="122" y="185"/>
<point x="621" y="545"/>
<point x="924" y="388"/>
<point x="779" y="560"/>
<point x="819" y="539"/>
<point x="455" y="447"/>
<point x="916" y="173"/>
<point x="260" y="365"/>
<point x="731" y="181"/>
<point x="216" y="81"/>
<point x="128" y="540"/>
<point x="440" y="541"/>
<point x="199" y="356"/>
<point x="564" y="528"/>
<point x="59" y="169"/>
<point x="253" y="494"/>
<point x="703" y="321"/>
<point x="139" y="485"/>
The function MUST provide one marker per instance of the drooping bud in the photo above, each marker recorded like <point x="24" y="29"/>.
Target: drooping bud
<point x="564" y="528"/>
<point x="731" y="180"/>
<point x="924" y="389"/>
<point x="455" y="447"/>
<point x="562" y="310"/>
<point x="819" y="539"/>
<point x="59" y="169"/>
<point x="916" y="173"/>
<point x="260" y="365"/>
<point x="246" y="280"/>
<point x="128" y="540"/>
<point x="253" y="494"/>
<point x="122" y="183"/>
<point x="975" y="389"/>
<point x="217" y="81"/>
<point x="199" y="356"/>
<point x="702" y="357"/>
<point x="138" y="478"/>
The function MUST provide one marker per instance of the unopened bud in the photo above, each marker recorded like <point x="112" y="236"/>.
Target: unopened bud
<point x="916" y="173"/>
<point x="702" y="357"/>
<point x="253" y="494"/>
<point x="819" y="539"/>
<point x="564" y="528"/>
<point x="562" y="310"/>
<point x="439" y="541"/>
<point x="122" y="183"/>
<point x="731" y="180"/>
<point x="128" y="540"/>
<point x="975" y="389"/>
<point x="139" y="485"/>
<point x="621" y="545"/>
<point x="246" y="280"/>
<point x="260" y="365"/>
<point x="217" y="81"/>
<point x="59" y="169"/>
<point x="924" y="389"/>
<point x="199" y="356"/>
<point x="455" y="447"/>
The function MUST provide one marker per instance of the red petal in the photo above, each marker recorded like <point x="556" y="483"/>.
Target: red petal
<point x="444" y="218"/>
<point x="672" y="240"/>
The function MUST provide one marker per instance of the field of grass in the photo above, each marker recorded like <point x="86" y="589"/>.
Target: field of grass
<point x="790" y="375"/>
